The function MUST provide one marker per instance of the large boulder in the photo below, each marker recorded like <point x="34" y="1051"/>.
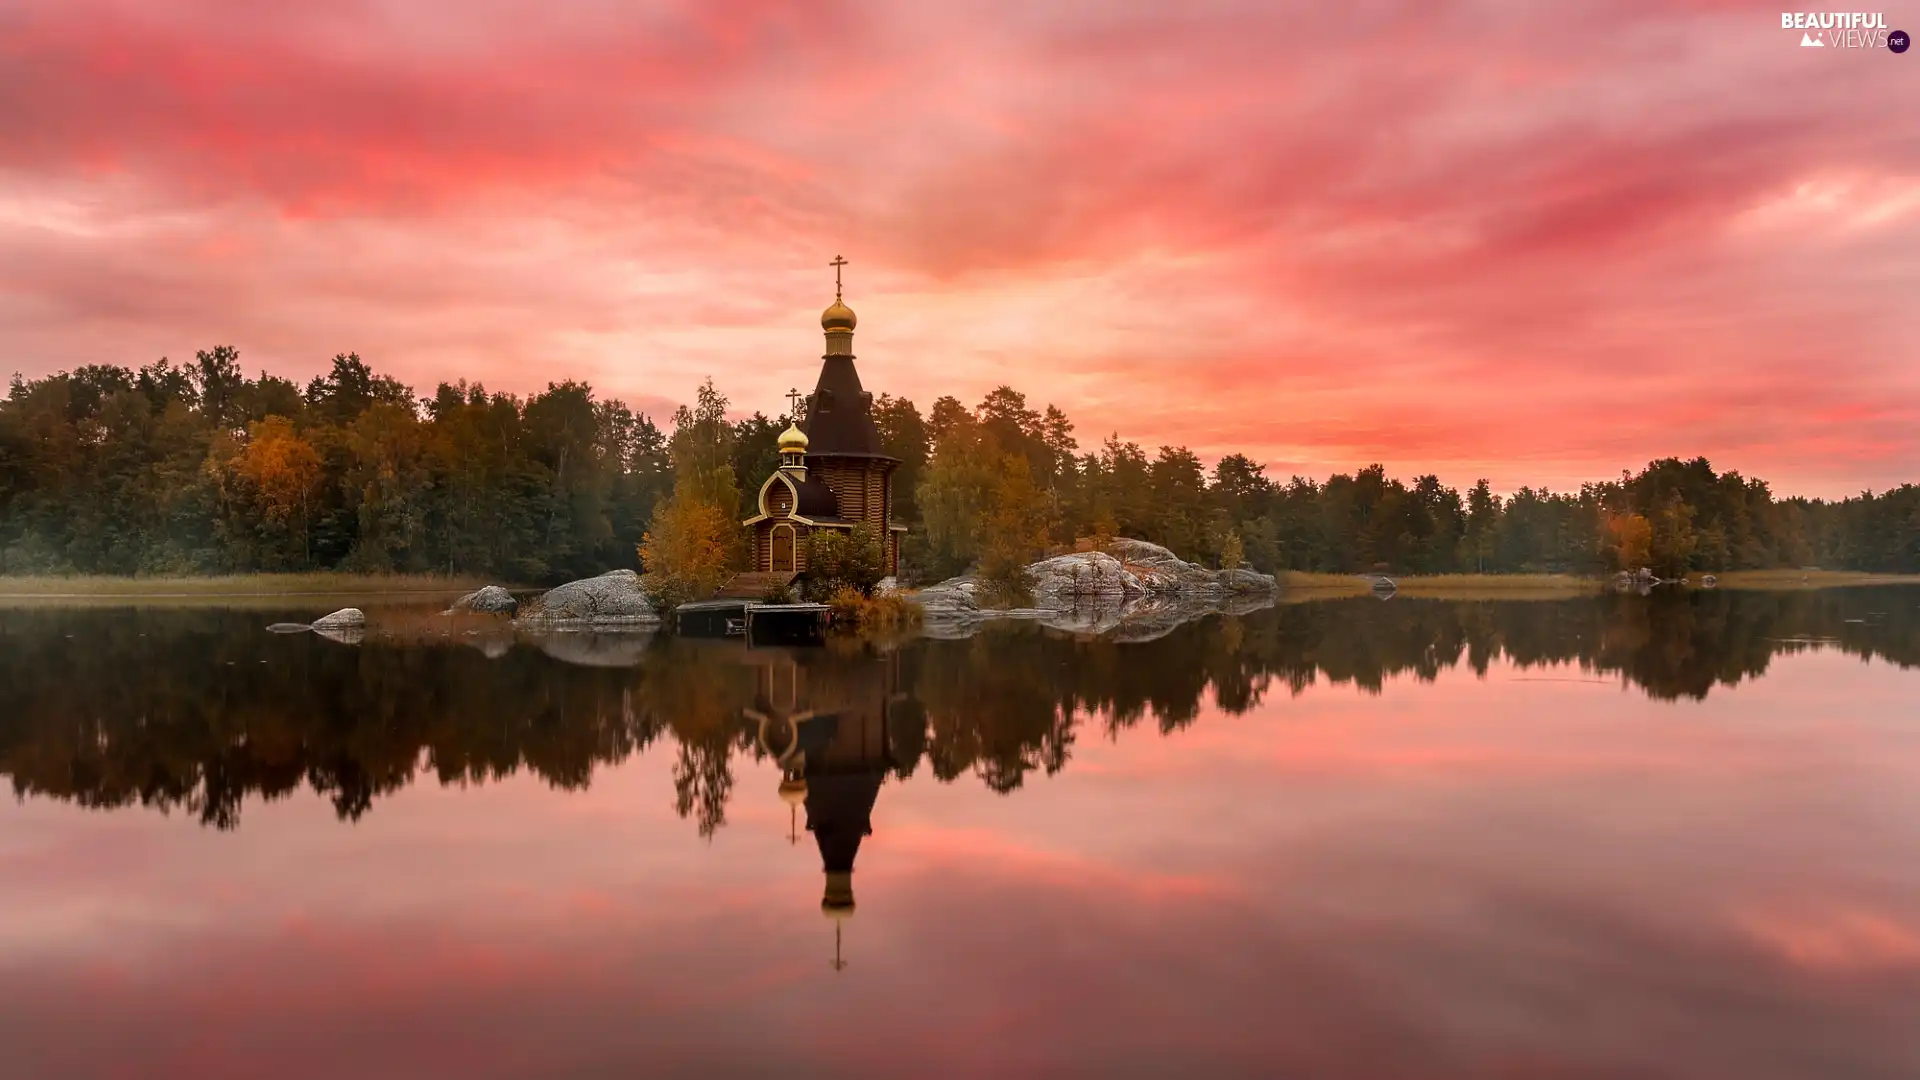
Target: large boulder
<point x="350" y="618"/>
<point x="953" y="599"/>
<point x="1243" y="582"/>
<point x="1162" y="573"/>
<point x="1082" y="576"/>
<point x="345" y="635"/>
<point x="1133" y="590"/>
<point x="491" y="600"/>
<point x="612" y="599"/>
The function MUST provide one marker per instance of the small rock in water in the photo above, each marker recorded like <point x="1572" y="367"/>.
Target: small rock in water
<point x="344" y="619"/>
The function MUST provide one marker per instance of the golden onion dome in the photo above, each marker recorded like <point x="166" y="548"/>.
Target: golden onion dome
<point x="838" y="317"/>
<point x="793" y="792"/>
<point x="793" y="439"/>
<point x="837" y="904"/>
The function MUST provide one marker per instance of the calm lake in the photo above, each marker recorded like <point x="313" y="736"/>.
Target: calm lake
<point x="1667" y="836"/>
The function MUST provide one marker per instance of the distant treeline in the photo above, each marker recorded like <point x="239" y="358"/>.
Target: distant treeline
<point x="197" y="469"/>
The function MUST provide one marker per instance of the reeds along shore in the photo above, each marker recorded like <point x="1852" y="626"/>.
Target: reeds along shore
<point x="1549" y="586"/>
<point x="229" y="586"/>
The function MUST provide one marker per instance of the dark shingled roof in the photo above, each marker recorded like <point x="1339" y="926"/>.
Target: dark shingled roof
<point x="840" y="414"/>
<point x="815" y="500"/>
<point x="840" y="815"/>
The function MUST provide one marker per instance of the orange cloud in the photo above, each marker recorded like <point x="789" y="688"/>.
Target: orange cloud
<point x="1843" y="939"/>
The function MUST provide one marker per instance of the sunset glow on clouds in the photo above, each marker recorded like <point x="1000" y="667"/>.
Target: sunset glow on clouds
<point x="1533" y="242"/>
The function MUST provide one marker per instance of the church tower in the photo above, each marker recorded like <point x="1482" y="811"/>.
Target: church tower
<point x="834" y="473"/>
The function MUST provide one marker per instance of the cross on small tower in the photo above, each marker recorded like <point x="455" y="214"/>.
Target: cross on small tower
<point x="838" y="964"/>
<point x="794" y="398"/>
<point x="837" y="263"/>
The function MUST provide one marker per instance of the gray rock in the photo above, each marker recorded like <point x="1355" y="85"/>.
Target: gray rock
<point x="345" y="635"/>
<point x="1085" y="575"/>
<point x="614" y="598"/>
<point x="1133" y="591"/>
<point x="350" y="618"/>
<point x="953" y="599"/>
<point x="1162" y="573"/>
<point x="1244" y="582"/>
<point x="886" y="586"/>
<point x="1132" y="588"/>
<point x="491" y="600"/>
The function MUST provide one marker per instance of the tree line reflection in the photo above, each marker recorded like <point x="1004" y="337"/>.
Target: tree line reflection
<point x="197" y="710"/>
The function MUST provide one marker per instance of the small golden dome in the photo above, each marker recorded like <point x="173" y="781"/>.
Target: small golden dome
<point x="838" y="317"/>
<point x="792" y="439"/>
<point x="793" y="792"/>
<point x="837" y="912"/>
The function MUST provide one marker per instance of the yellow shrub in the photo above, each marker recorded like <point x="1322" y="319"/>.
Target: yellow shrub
<point x="869" y="613"/>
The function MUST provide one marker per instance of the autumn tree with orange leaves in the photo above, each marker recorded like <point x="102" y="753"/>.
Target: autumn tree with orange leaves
<point x="283" y="469"/>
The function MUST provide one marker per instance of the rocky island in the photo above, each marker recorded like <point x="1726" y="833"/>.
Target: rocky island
<point x="1131" y="588"/>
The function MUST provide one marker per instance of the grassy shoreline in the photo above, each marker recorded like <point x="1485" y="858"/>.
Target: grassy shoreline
<point x="1553" y="586"/>
<point x="1461" y="586"/>
<point x="278" y="589"/>
<point x="227" y="587"/>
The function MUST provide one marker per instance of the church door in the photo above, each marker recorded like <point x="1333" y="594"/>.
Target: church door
<point x="782" y="549"/>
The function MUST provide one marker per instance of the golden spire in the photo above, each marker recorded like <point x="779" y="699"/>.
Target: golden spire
<point x="838" y="317"/>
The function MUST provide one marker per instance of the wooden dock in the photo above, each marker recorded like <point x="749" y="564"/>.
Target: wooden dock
<point x="760" y="624"/>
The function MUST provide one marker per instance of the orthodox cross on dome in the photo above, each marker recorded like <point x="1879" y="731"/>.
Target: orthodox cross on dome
<point x="837" y="263"/>
<point x="794" y="400"/>
<point x="838" y="964"/>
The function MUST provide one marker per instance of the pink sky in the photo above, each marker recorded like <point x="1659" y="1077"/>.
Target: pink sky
<point x="1532" y="242"/>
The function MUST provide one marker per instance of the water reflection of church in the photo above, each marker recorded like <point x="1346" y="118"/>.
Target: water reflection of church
<point x="836" y="728"/>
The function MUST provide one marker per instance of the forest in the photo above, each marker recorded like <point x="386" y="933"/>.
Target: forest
<point x="194" y="468"/>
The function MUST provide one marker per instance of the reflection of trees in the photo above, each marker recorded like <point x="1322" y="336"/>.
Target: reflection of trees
<point x="199" y="710"/>
<point x="195" y="709"/>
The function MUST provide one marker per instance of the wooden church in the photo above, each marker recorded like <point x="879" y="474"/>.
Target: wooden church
<point x="832" y="473"/>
